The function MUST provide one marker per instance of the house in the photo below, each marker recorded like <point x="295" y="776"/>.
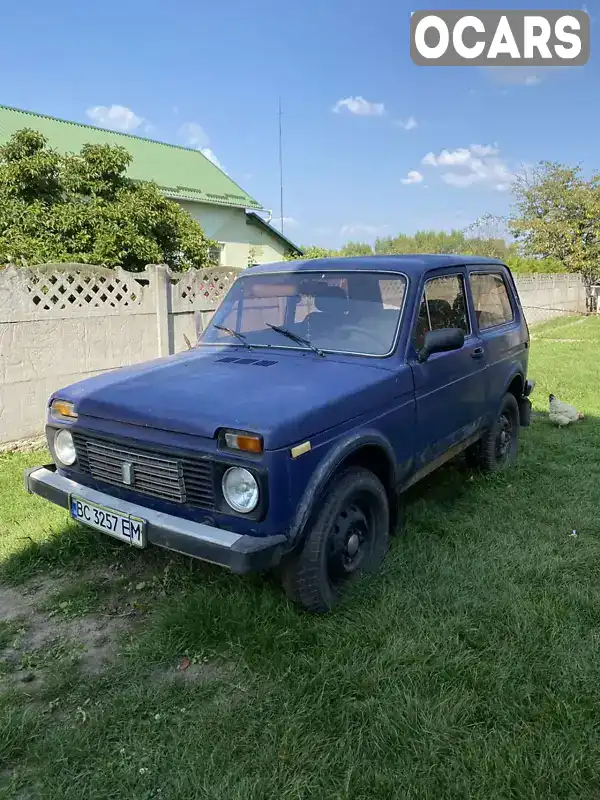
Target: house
<point x="226" y="212"/>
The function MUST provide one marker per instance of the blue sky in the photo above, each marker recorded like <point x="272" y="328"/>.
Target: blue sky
<point x="209" y="75"/>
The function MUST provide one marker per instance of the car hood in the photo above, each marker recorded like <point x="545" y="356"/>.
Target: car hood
<point x="285" y="398"/>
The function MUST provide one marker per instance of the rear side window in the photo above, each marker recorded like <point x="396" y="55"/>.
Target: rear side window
<point x="443" y="305"/>
<point x="491" y="300"/>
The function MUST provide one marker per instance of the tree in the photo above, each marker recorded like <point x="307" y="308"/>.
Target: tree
<point x="534" y="266"/>
<point x="423" y="241"/>
<point x="483" y="238"/>
<point x="254" y="252"/>
<point x="83" y="208"/>
<point x="356" y="249"/>
<point x="557" y="215"/>
<point x="312" y="251"/>
<point x="487" y="237"/>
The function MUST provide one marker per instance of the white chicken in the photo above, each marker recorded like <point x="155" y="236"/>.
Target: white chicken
<point x="561" y="413"/>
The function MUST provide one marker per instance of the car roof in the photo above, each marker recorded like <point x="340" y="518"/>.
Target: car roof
<point x="409" y="264"/>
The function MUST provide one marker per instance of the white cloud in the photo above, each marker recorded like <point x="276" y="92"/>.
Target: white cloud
<point x="359" y="229"/>
<point x="407" y="124"/>
<point x="288" y="222"/>
<point x="477" y="164"/>
<point x="206" y="151"/>
<point x="359" y="106"/>
<point x="429" y="160"/>
<point x="194" y="135"/>
<point x="460" y="156"/>
<point x="460" y="180"/>
<point x="413" y="177"/>
<point x="485" y="149"/>
<point x="115" y="117"/>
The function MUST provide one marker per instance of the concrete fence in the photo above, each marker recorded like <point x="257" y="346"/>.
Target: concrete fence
<point x="546" y="296"/>
<point x="61" y="323"/>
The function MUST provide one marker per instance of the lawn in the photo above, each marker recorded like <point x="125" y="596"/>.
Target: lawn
<point x="470" y="668"/>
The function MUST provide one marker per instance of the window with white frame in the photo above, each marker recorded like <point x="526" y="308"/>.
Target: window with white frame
<point x="215" y="254"/>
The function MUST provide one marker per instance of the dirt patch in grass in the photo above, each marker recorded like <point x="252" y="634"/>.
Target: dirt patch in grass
<point x="20" y="603"/>
<point x="39" y="640"/>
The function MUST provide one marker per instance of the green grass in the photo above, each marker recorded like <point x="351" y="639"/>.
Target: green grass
<point x="470" y="668"/>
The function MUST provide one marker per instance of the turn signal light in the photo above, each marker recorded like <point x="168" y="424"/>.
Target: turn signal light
<point x="62" y="408"/>
<point x="248" y="442"/>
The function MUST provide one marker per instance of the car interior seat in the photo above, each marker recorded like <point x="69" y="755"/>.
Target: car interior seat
<point x="440" y="314"/>
<point x="332" y="307"/>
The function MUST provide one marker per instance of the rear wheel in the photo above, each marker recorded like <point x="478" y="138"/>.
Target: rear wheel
<point x="497" y="449"/>
<point x="348" y="536"/>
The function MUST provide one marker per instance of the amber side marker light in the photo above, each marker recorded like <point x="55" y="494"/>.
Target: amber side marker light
<point x="62" y="408"/>
<point x="247" y="442"/>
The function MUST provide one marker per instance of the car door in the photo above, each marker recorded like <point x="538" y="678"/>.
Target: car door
<point x="500" y="327"/>
<point x="450" y="388"/>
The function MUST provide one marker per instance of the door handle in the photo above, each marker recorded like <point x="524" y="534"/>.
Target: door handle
<point x="477" y="352"/>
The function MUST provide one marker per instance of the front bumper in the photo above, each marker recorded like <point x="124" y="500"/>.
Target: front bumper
<point x="232" y="550"/>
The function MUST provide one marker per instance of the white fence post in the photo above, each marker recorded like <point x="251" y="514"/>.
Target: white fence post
<point x="161" y="286"/>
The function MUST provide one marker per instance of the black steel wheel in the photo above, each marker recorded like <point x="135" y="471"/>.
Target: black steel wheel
<point x="498" y="447"/>
<point x="504" y="438"/>
<point x="347" y="536"/>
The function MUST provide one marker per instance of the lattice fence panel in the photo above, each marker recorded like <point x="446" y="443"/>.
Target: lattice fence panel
<point x="392" y="292"/>
<point x="67" y="290"/>
<point x="202" y="288"/>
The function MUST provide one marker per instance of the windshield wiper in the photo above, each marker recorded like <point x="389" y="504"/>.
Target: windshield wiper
<point x="295" y="338"/>
<point x="237" y="334"/>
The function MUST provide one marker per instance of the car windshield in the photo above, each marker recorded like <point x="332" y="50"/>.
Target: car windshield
<point x="337" y="311"/>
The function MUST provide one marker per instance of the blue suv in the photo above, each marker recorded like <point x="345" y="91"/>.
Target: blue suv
<point x="319" y="392"/>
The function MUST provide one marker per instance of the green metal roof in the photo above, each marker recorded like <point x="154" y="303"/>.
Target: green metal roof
<point x="181" y="173"/>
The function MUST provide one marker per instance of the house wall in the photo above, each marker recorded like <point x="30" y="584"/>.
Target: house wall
<point x="230" y="226"/>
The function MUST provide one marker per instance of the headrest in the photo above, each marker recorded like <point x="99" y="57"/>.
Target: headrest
<point x="331" y="299"/>
<point x="440" y="312"/>
<point x="440" y="306"/>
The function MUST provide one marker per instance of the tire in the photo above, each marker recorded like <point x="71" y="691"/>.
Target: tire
<point x="497" y="448"/>
<point x="348" y="535"/>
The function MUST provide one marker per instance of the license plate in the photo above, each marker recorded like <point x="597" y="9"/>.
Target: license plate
<point x="122" y="526"/>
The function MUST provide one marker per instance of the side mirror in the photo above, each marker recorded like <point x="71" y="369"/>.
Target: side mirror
<point x="441" y="342"/>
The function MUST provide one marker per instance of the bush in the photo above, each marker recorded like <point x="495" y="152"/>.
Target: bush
<point x="83" y="208"/>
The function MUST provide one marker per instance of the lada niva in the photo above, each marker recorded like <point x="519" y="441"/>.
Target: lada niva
<point x="283" y="440"/>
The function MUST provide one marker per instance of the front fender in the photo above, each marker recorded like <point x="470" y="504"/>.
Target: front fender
<point x="338" y="453"/>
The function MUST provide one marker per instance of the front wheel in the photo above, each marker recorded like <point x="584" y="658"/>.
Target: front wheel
<point x="349" y="535"/>
<point x="497" y="448"/>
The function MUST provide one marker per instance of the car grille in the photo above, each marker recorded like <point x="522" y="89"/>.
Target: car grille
<point x="168" y="477"/>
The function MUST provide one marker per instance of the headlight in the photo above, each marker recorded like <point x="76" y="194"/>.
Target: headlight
<point x="240" y="489"/>
<point x="64" y="448"/>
